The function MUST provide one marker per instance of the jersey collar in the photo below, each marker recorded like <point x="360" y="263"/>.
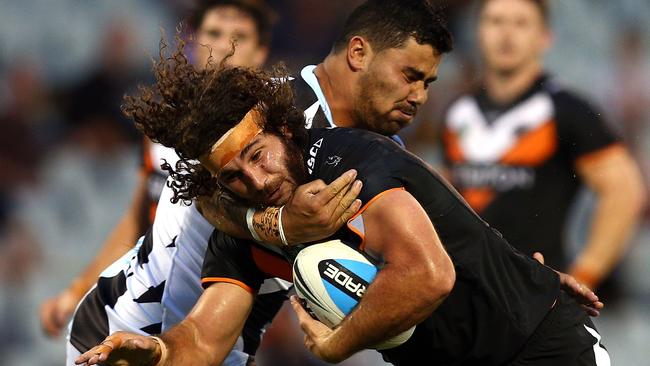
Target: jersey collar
<point x="307" y="74"/>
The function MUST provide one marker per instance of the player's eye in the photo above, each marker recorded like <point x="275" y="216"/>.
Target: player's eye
<point x="521" y="22"/>
<point x="212" y="33"/>
<point x="239" y="37"/>
<point x="497" y="20"/>
<point x="228" y="177"/>
<point x="256" y="156"/>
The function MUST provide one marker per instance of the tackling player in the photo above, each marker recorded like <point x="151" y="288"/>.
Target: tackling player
<point x="155" y="284"/>
<point x="215" y="23"/>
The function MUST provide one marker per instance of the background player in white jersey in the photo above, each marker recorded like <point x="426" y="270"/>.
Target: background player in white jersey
<point x="215" y="25"/>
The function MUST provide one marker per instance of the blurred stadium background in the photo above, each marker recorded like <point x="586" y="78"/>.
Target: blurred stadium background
<point x="68" y="158"/>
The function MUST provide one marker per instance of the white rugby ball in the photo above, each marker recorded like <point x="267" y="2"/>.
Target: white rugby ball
<point x="331" y="278"/>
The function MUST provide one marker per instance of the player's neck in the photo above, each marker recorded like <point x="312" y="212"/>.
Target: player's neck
<point x="504" y="88"/>
<point x="332" y="80"/>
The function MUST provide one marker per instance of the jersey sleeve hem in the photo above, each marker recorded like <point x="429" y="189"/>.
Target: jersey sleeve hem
<point x="598" y="154"/>
<point x="356" y="230"/>
<point x="207" y="281"/>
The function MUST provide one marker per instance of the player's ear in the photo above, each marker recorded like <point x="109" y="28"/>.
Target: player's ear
<point x="358" y="53"/>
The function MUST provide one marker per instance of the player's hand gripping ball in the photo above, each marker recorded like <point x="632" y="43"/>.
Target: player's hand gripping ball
<point x="331" y="278"/>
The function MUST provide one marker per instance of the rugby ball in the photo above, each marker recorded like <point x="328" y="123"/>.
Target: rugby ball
<point x="331" y="278"/>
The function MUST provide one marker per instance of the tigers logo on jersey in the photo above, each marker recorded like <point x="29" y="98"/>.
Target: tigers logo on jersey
<point x="502" y="155"/>
<point x="333" y="160"/>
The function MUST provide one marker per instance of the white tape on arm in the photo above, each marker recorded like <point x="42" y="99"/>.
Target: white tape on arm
<point x="283" y="238"/>
<point x="249" y="222"/>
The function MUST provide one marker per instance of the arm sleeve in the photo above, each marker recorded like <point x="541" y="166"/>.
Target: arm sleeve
<point x="230" y="260"/>
<point x="581" y="128"/>
<point x="379" y="174"/>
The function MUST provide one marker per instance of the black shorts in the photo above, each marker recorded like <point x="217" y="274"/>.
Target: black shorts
<point x="565" y="337"/>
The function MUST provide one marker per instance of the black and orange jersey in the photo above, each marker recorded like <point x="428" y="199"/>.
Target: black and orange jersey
<point x="500" y="295"/>
<point x="515" y="164"/>
<point x="153" y="155"/>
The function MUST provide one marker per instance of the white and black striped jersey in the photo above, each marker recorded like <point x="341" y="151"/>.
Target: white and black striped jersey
<point x="156" y="285"/>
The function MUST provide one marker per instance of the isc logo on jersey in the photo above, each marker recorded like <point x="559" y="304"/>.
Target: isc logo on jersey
<point x="312" y="155"/>
<point x="331" y="278"/>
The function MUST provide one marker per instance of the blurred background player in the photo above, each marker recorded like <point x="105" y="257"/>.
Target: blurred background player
<point x="216" y="25"/>
<point x="520" y="145"/>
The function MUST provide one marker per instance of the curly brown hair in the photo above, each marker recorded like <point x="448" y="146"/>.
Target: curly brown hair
<point x="189" y="110"/>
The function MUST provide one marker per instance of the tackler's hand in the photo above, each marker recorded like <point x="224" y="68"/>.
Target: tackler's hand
<point x="317" y="210"/>
<point x="123" y="349"/>
<point x="581" y="293"/>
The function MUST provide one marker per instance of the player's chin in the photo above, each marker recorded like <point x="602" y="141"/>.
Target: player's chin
<point x="396" y="123"/>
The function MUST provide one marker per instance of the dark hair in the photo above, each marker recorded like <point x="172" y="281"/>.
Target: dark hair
<point x="389" y="23"/>
<point x="189" y="110"/>
<point x="263" y="16"/>
<point x="542" y="6"/>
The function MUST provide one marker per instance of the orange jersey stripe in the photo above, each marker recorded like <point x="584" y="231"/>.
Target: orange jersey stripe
<point x="227" y="280"/>
<point x="535" y="147"/>
<point x="599" y="154"/>
<point x="478" y="198"/>
<point x="365" y="207"/>
<point x="452" y="145"/>
<point x="147" y="163"/>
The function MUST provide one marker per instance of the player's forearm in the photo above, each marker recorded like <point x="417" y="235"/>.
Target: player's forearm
<point x="228" y="216"/>
<point x="399" y="298"/>
<point x="185" y="345"/>
<point x="613" y="222"/>
<point x="234" y="219"/>
<point x="208" y="333"/>
<point x="266" y="225"/>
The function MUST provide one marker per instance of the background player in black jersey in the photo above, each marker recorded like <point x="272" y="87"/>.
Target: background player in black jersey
<point x="519" y="147"/>
<point x="492" y="305"/>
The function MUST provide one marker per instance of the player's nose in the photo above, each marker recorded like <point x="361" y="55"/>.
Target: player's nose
<point x="418" y="95"/>
<point x="256" y="179"/>
<point x="221" y="47"/>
